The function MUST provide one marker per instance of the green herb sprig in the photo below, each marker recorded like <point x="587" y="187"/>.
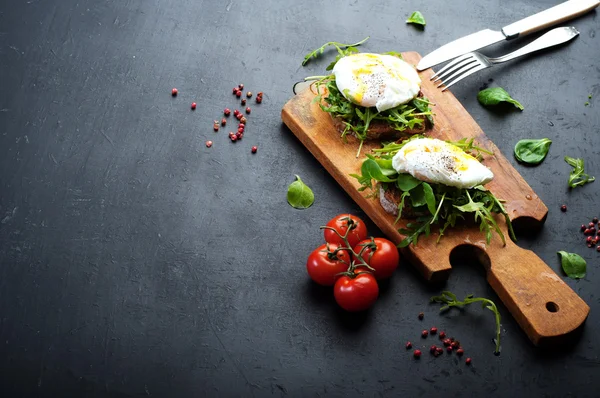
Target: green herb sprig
<point x="433" y="203"/>
<point x="578" y="176"/>
<point x="342" y="49"/>
<point x="450" y="300"/>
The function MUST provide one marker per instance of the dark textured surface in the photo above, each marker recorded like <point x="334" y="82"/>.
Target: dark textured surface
<point x="134" y="261"/>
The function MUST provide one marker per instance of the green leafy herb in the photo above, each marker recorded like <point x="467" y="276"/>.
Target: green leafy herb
<point x="434" y="203"/>
<point x="578" y="177"/>
<point x="299" y="195"/>
<point x="573" y="264"/>
<point x="495" y="95"/>
<point x="532" y="151"/>
<point x="586" y="103"/>
<point x="416" y="18"/>
<point x="343" y="49"/>
<point x="450" y="300"/>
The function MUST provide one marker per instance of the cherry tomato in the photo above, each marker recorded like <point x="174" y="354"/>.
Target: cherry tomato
<point x="323" y="265"/>
<point x="356" y="294"/>
<point x="380" y="254"/>
<point x="358" y="229"/>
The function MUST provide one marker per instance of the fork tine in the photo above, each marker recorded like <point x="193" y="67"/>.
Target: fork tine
<point x="459" y="72"/>
<point x="450" y="65"/>
<point x="469" y="72"/>
<point x="472" y="62"/>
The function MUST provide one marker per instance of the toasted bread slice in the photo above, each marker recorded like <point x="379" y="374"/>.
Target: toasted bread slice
<point x="380" y="130"/>
<point x="390" y="199"/>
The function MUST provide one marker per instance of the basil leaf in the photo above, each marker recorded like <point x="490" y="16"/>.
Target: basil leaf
<point x="406" y="182"/>
<point x="573" y="264"/>
<point x="495" y="95"/>
<point x="371" y="168"/>
<point x="299" y="195"/>
<point x="578" y="177"/>
<point x="429" y="197"/>
<point x="416" y="18"/>
<point x="532" y="151"/>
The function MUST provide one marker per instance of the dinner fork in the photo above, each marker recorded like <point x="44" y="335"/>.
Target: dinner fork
<point x="472" y="62"/>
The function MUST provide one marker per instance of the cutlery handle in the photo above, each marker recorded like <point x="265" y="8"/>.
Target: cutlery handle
<point x="552" y="16"/>
<point x="554" y="37"/>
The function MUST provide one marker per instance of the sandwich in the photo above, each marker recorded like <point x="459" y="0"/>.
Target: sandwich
<point x="373" y="96"/>
<point x="433" y="183"/>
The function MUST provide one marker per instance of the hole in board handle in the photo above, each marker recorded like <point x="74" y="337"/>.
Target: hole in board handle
<point x="551" y="306"/>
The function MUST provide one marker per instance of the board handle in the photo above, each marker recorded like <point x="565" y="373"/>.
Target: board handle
<point x="545" y="307"/>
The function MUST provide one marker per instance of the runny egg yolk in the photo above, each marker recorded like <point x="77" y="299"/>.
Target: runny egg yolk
<point x="437" y="161"/>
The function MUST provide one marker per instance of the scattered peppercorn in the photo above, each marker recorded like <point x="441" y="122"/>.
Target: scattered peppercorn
<point x="249" y="94"/>
<point x="563" y="208"/>
<point x="241" y="86"/>
<point x="424" y="333"/>
<point x="216" y="127"/>
<point x="174" y="92"/>
<point x="587" y="231"/>
<point x="449" y="348"/>
<point x="583" y="227"/>
<point x="227" y="112"/>
<point x="433" y="330"/>
<point x="447" y="342"/>
<point x="235" y="90"/>
<point x="595" y="220"/>
<point x="260" y="94"/>
<point x="238" y="116"/>
<point x="208" y="144"/>
<point x="248" y="110"/>
<point x="442" y="335"/>
<point x="238" y="93"/>
<point x="193" y="105"/>
<point x="234" y="138"/>
<point x="455" y="344"/>
<point x="590" y="245"/>
<point x="243" y="102"/>
<point x="243" y="119"/>
<point x="421" y="315"/>
<point x="592" y="225"/>
<point x="223" y="122"/>
<point x="468" y="361"/>
<point x="408" y="344"/>
<point x="258" y="99"/>
<point x="417" y="354"/>
<point x="433" y="349"/>
<point x="240" y="131"/>
<point x="439" y="350"/>
<point x="236" y="112"/>
<point x="598" y="249"/>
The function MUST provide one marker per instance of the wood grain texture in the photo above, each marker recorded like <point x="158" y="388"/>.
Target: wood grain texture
<point x="543" y="304"/>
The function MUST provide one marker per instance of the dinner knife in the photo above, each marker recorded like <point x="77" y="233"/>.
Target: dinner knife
<point x="552" y="16"/>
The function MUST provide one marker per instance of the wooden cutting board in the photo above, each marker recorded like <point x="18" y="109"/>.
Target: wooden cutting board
<point x="545" y="307"/>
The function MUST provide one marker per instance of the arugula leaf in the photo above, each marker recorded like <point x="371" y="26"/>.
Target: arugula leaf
<point x="372" y="169"/>
<point x="416" y="18"/>
<point x="450" y="300"/>
<point x="299" y="195"/>
<point x="495" y="95"/>
<point x="429" y="198"/>
<point x="339" y="46"/>
<point x="573" y="264"/>
<point x="532" y="151"/>
<point x="578" y="177"/>
<point x="394" y="53"/>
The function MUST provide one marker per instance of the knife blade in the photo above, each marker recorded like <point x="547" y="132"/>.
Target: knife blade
<point x="475" y="41"/>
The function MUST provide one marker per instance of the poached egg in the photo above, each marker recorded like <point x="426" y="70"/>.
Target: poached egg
<point x="379" y="80"/>
<point x="436" y="161"/>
